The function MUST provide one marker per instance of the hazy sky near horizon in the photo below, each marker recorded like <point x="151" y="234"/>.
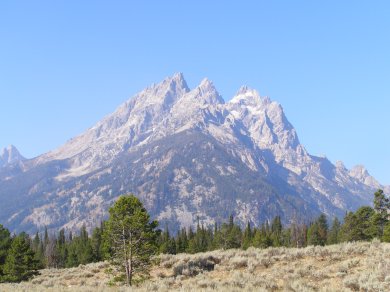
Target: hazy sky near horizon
<point x="64" y="65"/>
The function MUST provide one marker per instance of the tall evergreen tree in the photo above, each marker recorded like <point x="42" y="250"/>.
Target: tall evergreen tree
<point x="132" y="237"/>
<point x="181" y="241"/>
<point x="386" y="232"/>
<point x="96" y="242"/>
<point x="72" y="259"/>
<point x="247" y="237"/>
<point x="334" y="232"/>
<point x="262" y="237"/>
<point x="318" y="231"/>
<point x="36" y="242"/>
<point x="276" y="231"/>
<point x="381" y="207"/>
<point x="5" y="244"/>
<point x="200" y="241"/>
<point x="20" y="264"/>
<point x="286" y="237"/>
<point x="37" y="247"/>
<point x="62" y="250"/>
<point x="84" y="247"/>
<point x="359" y="225"/>
<point x="167" y="243"/>
<point x="229" y="235"/>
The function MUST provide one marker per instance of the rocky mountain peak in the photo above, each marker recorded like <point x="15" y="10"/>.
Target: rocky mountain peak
<point x="165" y="92"/>
<point x="186" y="154"/>
<point x="248" y="96"/>
<point x="340" y="165"/>
<point x="360" y="173"/>
<point x="178" y="83"/>
<point x="9" y="155"/>
<point x="243" y="90"/>
<point x="207" y="92"/>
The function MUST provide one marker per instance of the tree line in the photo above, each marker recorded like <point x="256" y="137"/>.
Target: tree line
<point x="365" y="224"/>
<point x="129" y="238"/>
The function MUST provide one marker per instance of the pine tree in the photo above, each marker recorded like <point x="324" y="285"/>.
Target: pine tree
<point x="182" y="241"/>
<point x="5" y="244"/>
<point x="36" y="242"/>
<point x="265" y="236"/>
<point x="96" y="242"/>
<point x="200" y="241"/>
<point x="84" y="247"/>
<point x="37" y="247"/>
<point x="20" y="264"/>
<point x="229" y="235"/>
<point x="359" y="225"/>
<point x="61" y="249"/>
<point x="247" y="236"/>
<point x="286" y="237"/>
<point x="334" y="232"/>
<point x="386" y="233"/>
<point x="318" y="231"/>
<point x="276" y="231"/>
<point x="381" y="207"/>
<point x="322" y="229"/>
<point x="276" y="225"/>
<point x="167" y="244"/>
<point x="132" y="237"/>
<point x="234" y="235"/>
<point x="72" y="259"/>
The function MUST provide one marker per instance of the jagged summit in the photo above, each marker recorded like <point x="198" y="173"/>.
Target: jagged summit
<point x="163" y="92"/>
<point x="207" y="92"/>
<point x="243" y="89"/>
<point x="359" y="170"/>
<point x="178" y="76"/>
<point x="178" y="81"/>
<point x="187" y="154"/>
<point x="360" y="173"/>
<point x="248" y="96"/>
<point x="175" y="78"/>
<point x="340" y="165"/>
<point x="9" y="155"/>
<point x="206" y="84"/>
<point x="9" y="148"/>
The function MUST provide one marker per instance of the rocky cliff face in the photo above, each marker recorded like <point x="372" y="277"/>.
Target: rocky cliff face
<point x="185" y="153"/>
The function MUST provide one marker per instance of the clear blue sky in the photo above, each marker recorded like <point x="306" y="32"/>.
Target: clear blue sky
<point x="66" y="64"/>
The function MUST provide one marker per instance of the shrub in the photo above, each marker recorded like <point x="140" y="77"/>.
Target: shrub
<point x="195" y="266"/>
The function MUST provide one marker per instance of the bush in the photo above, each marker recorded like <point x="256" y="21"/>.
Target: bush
<point x="195" y="266"/>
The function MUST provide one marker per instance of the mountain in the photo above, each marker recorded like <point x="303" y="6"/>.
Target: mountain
<point x="10" y="155"/>
<point x="186" y="154"/>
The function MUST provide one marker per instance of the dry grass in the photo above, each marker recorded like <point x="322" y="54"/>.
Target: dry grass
<point x="343" y="267"/>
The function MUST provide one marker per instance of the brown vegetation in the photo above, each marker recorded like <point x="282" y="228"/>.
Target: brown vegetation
<point x="362" y="266"/>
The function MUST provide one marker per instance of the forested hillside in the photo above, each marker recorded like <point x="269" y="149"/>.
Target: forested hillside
<point x="21" y="256"/>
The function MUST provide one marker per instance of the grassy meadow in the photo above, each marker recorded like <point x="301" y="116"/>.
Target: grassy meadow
<point x="358" y="266"/>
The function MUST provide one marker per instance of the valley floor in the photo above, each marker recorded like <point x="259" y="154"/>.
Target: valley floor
<point x="359" y="266"/>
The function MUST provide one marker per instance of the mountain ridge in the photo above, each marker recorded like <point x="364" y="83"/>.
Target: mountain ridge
<point x="75" y="183"/>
